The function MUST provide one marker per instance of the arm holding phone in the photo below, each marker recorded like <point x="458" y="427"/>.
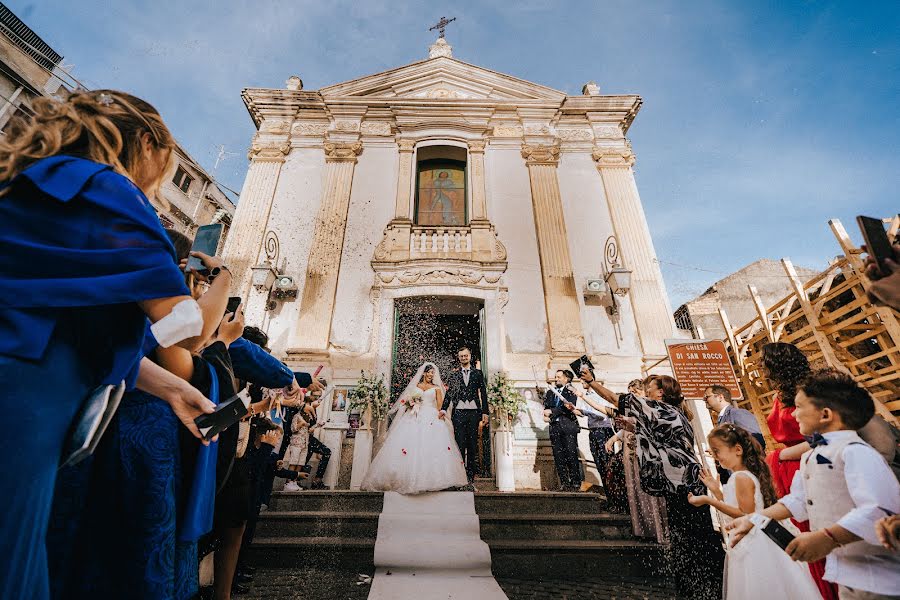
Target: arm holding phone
<point x="213" y="302"/>
<point x="607" y="394"/>
<point x="807" y="547"/>
<point x="186" y="401"/>
<point x="882" y="264"/>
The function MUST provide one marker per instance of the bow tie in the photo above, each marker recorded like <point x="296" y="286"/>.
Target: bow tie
<point x="818" y="440"/>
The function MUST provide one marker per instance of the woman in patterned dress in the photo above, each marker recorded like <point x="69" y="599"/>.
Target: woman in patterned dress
<point x="669" y="468"/>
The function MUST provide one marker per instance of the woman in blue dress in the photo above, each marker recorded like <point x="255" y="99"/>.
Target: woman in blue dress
<point x="85" y="263"/>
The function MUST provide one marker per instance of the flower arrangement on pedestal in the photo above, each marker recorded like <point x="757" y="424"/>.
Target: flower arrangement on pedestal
<point x="504" y="399"/>
<point x="369" y="398"/>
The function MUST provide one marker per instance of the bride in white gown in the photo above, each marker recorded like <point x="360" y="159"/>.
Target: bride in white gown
<point x="419" y="453"/>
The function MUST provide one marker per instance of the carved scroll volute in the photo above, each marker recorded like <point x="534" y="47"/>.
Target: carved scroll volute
<point x="335" y="152"/>
<point x="614" y="157"/>
<point x="540" y="154"/>
<point x="269" y="151"/>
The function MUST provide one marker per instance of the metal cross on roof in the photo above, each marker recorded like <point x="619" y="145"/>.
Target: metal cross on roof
<point x="441" y="25"/>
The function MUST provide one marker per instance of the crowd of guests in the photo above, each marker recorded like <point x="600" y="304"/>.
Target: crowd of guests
<point x="97" y="303"/>
<point x="95" y="296"/>
<point x="832" y="482"/>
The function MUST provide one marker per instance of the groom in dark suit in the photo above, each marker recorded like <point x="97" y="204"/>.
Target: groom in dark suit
<point x="468" y="394"/>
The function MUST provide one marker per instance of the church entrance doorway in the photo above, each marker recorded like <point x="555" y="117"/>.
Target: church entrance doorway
<point x="432" y="328"/>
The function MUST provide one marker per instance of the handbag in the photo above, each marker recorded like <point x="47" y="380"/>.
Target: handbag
<point x="89" y="426"/>
<point x="198" y="513"/>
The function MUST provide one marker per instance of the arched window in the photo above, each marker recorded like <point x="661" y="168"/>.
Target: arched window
<point x="441" y="187"/>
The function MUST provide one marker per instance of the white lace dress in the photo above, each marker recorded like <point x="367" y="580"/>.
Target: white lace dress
<point x="419" y="453"/>
<point x="757" y="567"/>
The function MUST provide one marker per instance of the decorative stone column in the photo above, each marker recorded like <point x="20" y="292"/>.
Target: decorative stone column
<point x="404" y="208"/>
<point x="314" y="325"/>
<point x="648" y="296"/>
<point x="399" y="230"/>
<point x="476" y="170"/>
<point x="504" y="463"/>
<point x="333" y="435"/>
<point x="483" y="235"/>
<point x="246" y="234"/>
<point x="362" y="452"/>
<point x="563" y="312"/>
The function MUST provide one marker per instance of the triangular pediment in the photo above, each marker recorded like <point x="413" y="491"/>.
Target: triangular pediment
<point x="443" y="78"/>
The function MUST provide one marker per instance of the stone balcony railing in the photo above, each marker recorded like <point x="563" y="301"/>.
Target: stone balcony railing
<point x="425" y="241"/>
<point x="411" y="254"/>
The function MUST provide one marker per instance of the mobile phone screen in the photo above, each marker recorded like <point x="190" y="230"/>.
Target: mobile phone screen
<point x="206" y="241"/>
<point x="233" y="303"/>
<point x="877" y="241"/>
<point x="778" y="534"/>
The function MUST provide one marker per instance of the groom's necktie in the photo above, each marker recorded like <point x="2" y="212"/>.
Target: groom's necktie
<point x="466" y="376"/>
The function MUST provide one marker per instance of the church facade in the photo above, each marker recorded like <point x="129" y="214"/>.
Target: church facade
<point x="390" y="219"/>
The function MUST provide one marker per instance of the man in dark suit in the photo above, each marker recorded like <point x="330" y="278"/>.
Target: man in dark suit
<point x="559" y="407"/>
<point x="468" y="394"/>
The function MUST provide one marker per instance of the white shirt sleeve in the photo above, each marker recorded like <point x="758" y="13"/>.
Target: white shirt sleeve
<point x="587" y="409"/>
<point x="872" y="486"/>
<point x="796" y="500"/>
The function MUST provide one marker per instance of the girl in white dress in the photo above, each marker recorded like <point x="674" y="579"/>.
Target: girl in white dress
<point x="419" y="453"/>
<point x="757" y="567"/>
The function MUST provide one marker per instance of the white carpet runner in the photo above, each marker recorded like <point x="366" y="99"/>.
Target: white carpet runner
<point x="429" y="548"/>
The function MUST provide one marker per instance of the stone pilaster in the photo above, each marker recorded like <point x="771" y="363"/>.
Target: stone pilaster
<point x="248" y="228"/>
<point x="648" y="296"/>
<point x="476" y="171"/>
<point x="483" y="236"/>
<point x="314" y="325"/>
<point x="560" y="292"/>
<point x="403" y="209"/>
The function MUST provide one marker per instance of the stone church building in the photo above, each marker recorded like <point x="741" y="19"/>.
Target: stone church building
<point x="388" y="220"/>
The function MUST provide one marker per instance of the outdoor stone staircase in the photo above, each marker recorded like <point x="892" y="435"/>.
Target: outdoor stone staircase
<point x="541" y="534"/>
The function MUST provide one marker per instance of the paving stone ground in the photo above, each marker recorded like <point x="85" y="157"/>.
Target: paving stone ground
<point x="319" y="584"/>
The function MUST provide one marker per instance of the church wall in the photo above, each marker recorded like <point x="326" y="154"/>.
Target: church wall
<point x="293" y="216"/>
<point x="509" y="208"/>
<point x="588" y="226"/>
<point x="372" y="199"/>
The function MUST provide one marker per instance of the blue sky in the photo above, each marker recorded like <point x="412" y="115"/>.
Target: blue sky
<point x="761" y="120"/>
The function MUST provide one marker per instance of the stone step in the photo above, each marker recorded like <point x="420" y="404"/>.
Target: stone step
<point x="317" y="524"/>
<point x="539" y="502"/>
<point x="326" y="501"/>
<point x="548" y="558"/>
<point x="327" y="552"/>
<point x="486" y="484"/>
<point x="509" y="558"/>
<point x="555" y="527"/>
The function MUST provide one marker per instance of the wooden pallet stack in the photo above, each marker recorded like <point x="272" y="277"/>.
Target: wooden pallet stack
<point x="832" y="320"/>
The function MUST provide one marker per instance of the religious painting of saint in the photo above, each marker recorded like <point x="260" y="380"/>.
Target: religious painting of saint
<point x="441" y="195"/>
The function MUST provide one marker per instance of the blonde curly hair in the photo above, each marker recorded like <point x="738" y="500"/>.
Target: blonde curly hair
<point x="105" y="126"/>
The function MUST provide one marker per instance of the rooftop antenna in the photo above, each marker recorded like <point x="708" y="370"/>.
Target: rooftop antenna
<point x="222" y="155"/>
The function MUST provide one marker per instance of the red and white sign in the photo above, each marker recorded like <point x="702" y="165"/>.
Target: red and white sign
<point x="698" y="364"/>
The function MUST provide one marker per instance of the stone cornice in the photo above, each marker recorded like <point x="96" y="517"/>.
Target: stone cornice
<point x="337" y="152"/>
<point x="265" y="103"/>
<point x="540" y="154"/>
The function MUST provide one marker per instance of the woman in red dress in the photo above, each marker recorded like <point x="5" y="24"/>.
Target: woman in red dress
<point x="786" y="367"/>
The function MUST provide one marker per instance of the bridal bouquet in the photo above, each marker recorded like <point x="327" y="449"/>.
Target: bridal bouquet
<point x="414" y="402"/>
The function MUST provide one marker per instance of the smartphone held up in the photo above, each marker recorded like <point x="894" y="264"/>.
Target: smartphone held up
<point x="206" y="241"/>
<point x="877" y="242"/>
